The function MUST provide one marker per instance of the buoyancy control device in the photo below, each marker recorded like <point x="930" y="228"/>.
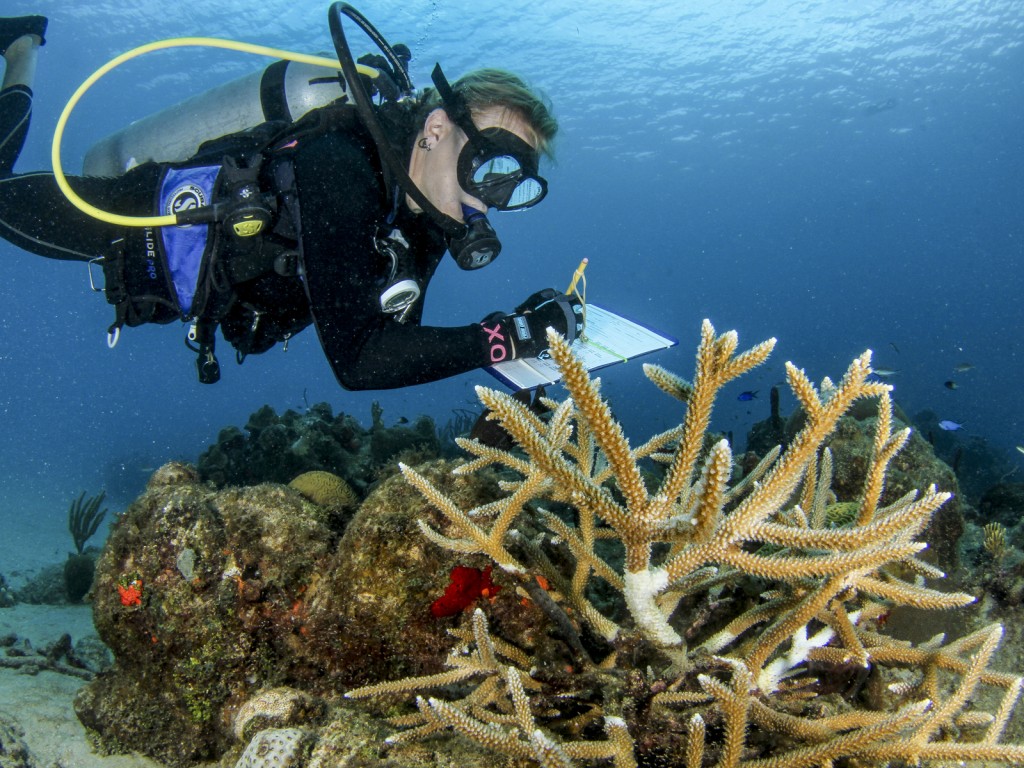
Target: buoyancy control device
<point x="245" y="109"/>
<point x="210" y="200"/>
<point x="278" y="96"/>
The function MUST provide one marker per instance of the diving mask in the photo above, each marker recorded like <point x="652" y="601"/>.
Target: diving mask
<point x="496" y="166"/>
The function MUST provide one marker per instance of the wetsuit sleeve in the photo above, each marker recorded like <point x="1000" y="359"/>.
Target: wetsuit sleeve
<point x="341" y="200"/>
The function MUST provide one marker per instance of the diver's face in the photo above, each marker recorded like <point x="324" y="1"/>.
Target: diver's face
<point x="435" y="172"/>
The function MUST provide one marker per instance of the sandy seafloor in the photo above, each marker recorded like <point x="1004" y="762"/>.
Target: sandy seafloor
<point x="41" y="704"/>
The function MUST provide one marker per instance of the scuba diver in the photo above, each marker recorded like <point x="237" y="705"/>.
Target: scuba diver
<point x="335" y="214"/>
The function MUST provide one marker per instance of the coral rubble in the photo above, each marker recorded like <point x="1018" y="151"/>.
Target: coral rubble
<point x="14" y="753"/>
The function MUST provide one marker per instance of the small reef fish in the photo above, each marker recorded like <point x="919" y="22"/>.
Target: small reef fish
<point x="963" y="367"/>
<point x="950" y="426"/>
<point x="1020" y="448"/>
<point x="747" y="396"/>
<point x="880" y="106"/>
<point x="884" y="372"/>
<point x="950" y="384"/>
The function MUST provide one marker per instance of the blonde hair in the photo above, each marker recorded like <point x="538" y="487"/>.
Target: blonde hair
<point x="483" y="89"/>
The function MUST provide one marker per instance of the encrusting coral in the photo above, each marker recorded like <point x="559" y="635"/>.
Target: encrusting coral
<point x="651" y="580"/>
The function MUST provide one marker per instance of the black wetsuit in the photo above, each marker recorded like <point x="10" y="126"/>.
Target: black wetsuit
<point x="341" y="200"/>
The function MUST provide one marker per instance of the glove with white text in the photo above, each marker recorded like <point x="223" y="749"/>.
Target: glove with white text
<point x="523" y="334"/>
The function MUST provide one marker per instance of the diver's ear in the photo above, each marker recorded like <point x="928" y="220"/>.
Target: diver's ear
<point x="437" y="126"/>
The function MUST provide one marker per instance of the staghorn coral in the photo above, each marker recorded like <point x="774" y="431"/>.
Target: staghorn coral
<point x="680" y="668"/>
<point x="496" y="713"/>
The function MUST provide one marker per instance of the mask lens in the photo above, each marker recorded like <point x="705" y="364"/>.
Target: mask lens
<point x="493" y="169"/>
<point x="499" y="168"/>
<point x="526" y="193"/>
<point x="499" y="182"/>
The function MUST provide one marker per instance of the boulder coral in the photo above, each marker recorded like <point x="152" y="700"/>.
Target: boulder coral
<point x="221" y="580"/>
<point x="325" y="489"/>
<point x="248" y="592"/>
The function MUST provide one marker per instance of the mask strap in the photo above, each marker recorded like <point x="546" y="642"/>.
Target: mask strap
<point x="455" y="106"/>
<point x="362" y="101"/>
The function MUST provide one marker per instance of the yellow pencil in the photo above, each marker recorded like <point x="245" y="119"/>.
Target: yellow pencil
<point x="577" y="275"/>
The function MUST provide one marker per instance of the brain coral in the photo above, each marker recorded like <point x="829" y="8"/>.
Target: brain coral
<point x="276" y="748"/>
<point x="325" y="489"/>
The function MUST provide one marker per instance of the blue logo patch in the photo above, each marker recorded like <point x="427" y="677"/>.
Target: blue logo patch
<point x="185" y="189"/>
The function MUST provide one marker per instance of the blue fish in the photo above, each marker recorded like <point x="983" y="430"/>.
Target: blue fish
<point x="950" y="426"/>
<point x="747" y="396"/>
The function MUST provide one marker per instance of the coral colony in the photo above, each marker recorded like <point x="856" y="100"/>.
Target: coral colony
<point x="657" y="605"/>
<point x="663" y="662"/>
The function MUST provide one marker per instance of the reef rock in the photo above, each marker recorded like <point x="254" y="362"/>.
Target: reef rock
<point x="1002" y="503"/>
<point x="371" y="616"/>
<point x="234" y="612"/>
<point x="173" y="473"/>
<point x="190" y="646"/>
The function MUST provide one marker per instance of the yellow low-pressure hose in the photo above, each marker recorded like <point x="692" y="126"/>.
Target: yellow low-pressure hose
<point x="176" y="42"/>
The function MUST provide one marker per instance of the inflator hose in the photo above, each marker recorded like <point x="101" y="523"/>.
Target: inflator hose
<point x="176" y="42"/>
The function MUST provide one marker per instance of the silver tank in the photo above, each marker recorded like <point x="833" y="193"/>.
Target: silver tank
<point x="174" y="134"/>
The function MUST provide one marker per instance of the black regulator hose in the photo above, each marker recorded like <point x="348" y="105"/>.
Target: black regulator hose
<point x="452" y="228"/>
<point x="397" y="64"/>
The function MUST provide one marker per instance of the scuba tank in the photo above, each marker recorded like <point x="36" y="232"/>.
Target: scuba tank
<point x="284" y="91"/>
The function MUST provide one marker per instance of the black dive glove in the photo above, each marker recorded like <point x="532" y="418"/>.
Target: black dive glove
<point x="523" y="334"/>
<point x="385" y="83"/>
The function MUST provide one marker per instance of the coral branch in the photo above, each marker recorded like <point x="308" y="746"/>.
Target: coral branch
<point x="775" y="594"/>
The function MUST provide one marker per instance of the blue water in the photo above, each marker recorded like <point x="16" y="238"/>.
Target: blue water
<point x="839" y="175"/>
